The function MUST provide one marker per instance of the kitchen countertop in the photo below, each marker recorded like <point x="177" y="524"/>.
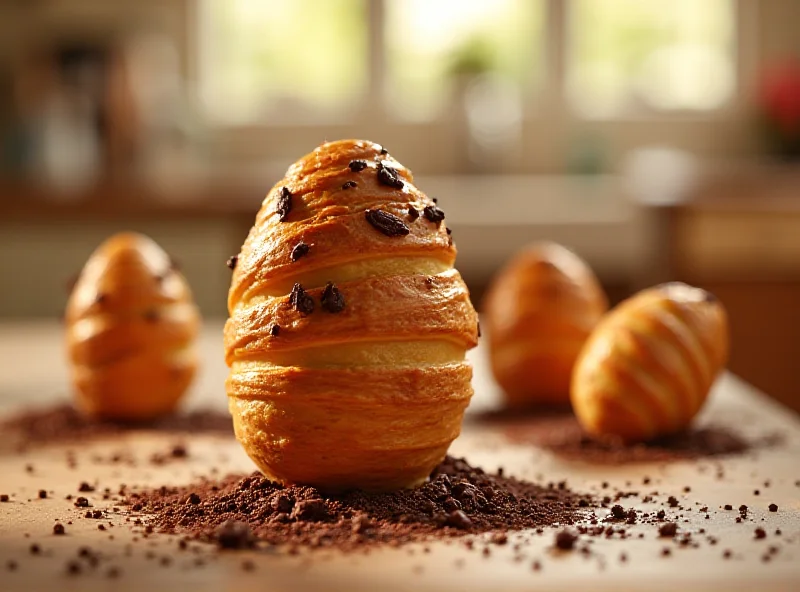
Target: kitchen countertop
<point x="33" y="371"/>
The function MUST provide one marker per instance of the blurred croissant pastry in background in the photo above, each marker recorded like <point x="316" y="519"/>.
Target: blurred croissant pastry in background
<point x="648" y="367"/>
<point x="348" y="326"/>
<point x="539" y="311"/>
<point x="131" y="327"/>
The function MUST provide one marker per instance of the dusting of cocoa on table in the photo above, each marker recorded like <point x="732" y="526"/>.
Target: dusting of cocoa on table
<point x="63" y="423"/>
<point x="559" y="432"/>
<point x="459" y="499"/>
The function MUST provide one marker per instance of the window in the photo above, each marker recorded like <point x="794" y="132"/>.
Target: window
<point x="320" y="61"/>
<point x="287" y="59"/>
<point x="626" y="55"/>
<point x="430" y="42"/>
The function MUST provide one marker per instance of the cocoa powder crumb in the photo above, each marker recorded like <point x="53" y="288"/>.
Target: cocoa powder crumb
<point x="59" y="529"/>
<point x="301" y="516"/>
<point x="668" y="529"/>
<point x="232" y="261"/>
<point x="565" y="540"/>
<point x="773" y="507"/>
<point x="760" y="533"/>
<point x="4" y="497"/>
<point x="560" y="433"/>
<point x="64" y="424"/>
<point x="234" y="535"/>
<point x="357" y="166"/>
<point x="42" y="494"/>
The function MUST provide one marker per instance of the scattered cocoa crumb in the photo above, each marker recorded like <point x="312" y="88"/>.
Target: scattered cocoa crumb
<point x="85" y="487"/>
<point x="349" y="185"/>
<point x="413" y="213"/>
<point x="232" y="534"/>
<point x="357" y="166"/>
<point x="565" y="540"/>
<point x="559" y="432"/>
<point x="232" y="261"/>
<point x="73" y="568"/>
<point x="64" y="424"/>
<point x="760" y="533"/>
<point x="275" y="330"/>
<point x="668" y="529"/>
<point x="81" y="502"/>
<point x="58" y="528"/>
<point x="4" y="497"/>
<point x="35" y="549"/>
<point x="42" y="494"/>
<point x="773" y="507"/>
<point x="728" y="507"/>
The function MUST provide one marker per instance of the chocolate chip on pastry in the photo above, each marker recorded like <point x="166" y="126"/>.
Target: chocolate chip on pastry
<point x="130" y="339"/>
<point x="345" y="396"/>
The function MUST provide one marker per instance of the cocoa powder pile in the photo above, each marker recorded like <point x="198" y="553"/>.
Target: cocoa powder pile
<point x="560" y="433"/>
<point x="238" y="511"/>
<point x="62" y="423"/>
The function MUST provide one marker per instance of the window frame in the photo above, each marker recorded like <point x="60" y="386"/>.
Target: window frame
<point x="549" y="123"/>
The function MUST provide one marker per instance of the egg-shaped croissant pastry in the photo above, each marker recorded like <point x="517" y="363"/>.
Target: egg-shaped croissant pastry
<point x="539" y="311"/>
<point x="348" y="326"/>
<point x="131" y="326"/>
<point x="647" y="368"/>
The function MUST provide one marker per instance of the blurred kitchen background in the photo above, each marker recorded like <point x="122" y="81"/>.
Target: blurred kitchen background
<point x="658" y="140"/>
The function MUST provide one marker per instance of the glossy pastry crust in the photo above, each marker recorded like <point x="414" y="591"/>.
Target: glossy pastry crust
<point x="366" y="389"/>
<point x="131" y="325"/>
<point x="540" y="309"/>
<point x="648" y="367"/>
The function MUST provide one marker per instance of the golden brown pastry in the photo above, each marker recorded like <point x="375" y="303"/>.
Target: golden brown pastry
<point x="648" y="367"/>
<point x="348" y="326"/>
<point x="539" y="311"/>
<point x="131" y="326"/>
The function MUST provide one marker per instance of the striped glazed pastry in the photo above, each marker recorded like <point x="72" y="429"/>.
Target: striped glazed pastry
<point x="131" y="326"/>
<point x="649" y="365"/>
<point x="348" y="326"/>
<point x="540" y="309"/>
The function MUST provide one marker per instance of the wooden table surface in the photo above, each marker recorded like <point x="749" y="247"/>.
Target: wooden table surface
<point x="32" y="370"/>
